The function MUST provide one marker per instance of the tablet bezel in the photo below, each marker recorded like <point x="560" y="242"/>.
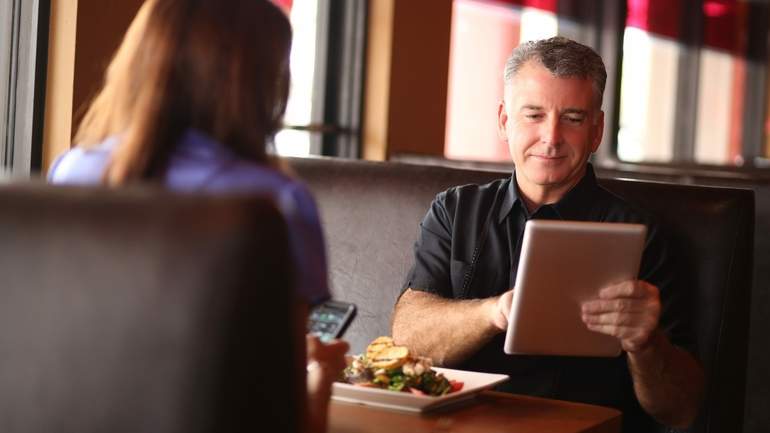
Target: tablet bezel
<point x="544" y="318"/>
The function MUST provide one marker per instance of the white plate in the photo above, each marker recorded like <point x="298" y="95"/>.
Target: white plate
<point x="473" y="383"/>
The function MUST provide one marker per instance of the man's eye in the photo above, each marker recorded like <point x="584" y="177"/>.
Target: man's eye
<point x="533" y="116"/>
<point x="575" y="120"/>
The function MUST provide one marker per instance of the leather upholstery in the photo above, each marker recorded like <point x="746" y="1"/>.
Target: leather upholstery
<point x="142" y="311"/>
<point x="371" y="212"/>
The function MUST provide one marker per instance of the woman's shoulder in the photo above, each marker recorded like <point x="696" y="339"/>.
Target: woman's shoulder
<point x="201" y="162"/>
<point x="291" y="193"/>
<point x="82" y="165"/>
<point x="245" y="175"/>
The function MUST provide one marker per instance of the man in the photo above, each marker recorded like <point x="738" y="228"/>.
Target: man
<point x="456" y="300"/>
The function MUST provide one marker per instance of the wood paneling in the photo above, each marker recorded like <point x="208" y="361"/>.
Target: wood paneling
<point x="101" y="25"/>
<point x="407" y="71"/>
<point x="83" y="37"/>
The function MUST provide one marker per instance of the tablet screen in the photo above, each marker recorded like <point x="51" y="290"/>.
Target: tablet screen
<point x="562" y="265"/>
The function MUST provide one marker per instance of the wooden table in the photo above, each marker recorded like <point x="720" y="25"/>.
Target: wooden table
<point x="490" y="412"/>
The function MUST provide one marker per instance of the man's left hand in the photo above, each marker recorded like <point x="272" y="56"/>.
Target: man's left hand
<point x="629" y="311"/>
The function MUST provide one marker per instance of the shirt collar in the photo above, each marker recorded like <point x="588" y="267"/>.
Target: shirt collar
<point x="571" y="207"/>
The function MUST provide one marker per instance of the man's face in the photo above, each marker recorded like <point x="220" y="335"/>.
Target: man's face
<point x="552" y="125"/>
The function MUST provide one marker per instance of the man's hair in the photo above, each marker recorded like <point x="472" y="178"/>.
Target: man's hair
<point x="563" y="58"/>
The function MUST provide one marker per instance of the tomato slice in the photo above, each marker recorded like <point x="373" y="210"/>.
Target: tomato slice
<point x="456" y="385"/>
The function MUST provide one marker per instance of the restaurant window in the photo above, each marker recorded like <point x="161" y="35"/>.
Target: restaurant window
<point x="687" y="79"/>
<point x="323" y="112"/>
<point x="690" y="82"/>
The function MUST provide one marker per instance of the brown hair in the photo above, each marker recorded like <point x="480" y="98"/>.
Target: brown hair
<point x="217" y="66"/>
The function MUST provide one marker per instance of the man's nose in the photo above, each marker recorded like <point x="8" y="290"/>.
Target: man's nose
<point x="551" y="131"/>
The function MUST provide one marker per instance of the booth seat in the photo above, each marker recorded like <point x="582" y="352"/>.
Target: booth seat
<point x="140" y="311"/>
<point x="371" y="212"/>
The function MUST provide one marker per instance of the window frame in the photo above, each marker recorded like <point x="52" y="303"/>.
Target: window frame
<point x="22" y="92"/>
<point x="338" y="84"/>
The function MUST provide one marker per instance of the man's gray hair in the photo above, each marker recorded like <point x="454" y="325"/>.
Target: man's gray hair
<point x="563" y="58"/>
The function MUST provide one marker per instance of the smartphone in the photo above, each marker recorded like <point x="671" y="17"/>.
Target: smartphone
<point x="330" y="319"/>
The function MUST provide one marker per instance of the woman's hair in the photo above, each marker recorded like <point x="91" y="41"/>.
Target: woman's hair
<point x="217" y="66"/>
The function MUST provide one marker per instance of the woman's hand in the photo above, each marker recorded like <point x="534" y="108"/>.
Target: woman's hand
<point x="325" y="364"/>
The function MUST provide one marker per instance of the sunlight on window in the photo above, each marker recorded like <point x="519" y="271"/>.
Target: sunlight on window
<point x="483" y="35"/>
<point x="298" y="111"/>
<point x="537" y="24"/>
<point x="289" y="142"/>
<point x="715" y="107"/>
<point x="647" y="97"/>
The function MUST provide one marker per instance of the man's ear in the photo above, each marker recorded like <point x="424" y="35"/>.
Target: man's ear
<point x="502" y="121"/>
<point x="598" y="131"/>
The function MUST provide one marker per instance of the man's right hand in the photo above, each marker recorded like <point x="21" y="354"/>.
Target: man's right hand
<point x="502" y="310"/>
<point x="458" y="328"/>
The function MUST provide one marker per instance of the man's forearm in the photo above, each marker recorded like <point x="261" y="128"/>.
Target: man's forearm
<point x="447" y="330"/>
<point x="668" y="382"/>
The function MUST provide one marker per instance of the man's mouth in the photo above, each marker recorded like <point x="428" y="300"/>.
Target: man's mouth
<point x="548" y="157"/>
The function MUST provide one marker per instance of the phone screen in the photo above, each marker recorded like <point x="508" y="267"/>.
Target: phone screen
<point x="330" y="319"/>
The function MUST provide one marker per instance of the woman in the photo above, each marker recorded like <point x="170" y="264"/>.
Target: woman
<point x="192" y="100"/>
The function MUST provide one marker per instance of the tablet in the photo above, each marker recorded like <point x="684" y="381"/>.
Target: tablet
<point x="563" y="264"/>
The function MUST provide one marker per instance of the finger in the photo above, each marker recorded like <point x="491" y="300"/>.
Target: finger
<point x="502" y="311"/>
<point x="626" y="334"/>
<point x="331" y="356"/>
<point x="505" y="303"/>
<point x="622" y="327"/>
<point x="623" y="305"/>
<point x="619" y="319"/>
<point x="312" y="344"/>
<point x="338" y="346"/>
<point x="612" y="330"/>
<point x="625" y="289"/>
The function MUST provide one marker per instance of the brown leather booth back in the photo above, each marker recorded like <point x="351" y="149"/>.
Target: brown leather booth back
<point x="713" y="233"/>
<point x="371" y="212"/>
<point x="141" y="311"/>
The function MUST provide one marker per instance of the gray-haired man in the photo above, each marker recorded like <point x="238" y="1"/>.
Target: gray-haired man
<point x="552" y="120"/>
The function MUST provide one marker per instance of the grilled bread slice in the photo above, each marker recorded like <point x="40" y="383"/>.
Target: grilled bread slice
<point x="377" y="345"/>
<point x="390" y="357"/>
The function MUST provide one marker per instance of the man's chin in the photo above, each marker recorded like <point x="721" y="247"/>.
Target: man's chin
<point x="546" y="177"/>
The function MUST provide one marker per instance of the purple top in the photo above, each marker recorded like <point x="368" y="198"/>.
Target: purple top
<point x="201" y="164"/>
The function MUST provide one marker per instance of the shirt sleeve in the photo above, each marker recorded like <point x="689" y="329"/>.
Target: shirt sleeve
<point x="53" y="172"/>
<point x="72" y="167"/>
<point x="307" y="243"/>
<point x="430" y="271"/>
<point x="80" y="166"/>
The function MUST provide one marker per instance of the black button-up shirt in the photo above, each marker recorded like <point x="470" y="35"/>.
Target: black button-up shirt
<point x="468" y="248"/>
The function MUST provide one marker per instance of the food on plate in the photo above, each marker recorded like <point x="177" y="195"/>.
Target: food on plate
<point x="377" y="345"/>
<point x="389" y="366"/>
